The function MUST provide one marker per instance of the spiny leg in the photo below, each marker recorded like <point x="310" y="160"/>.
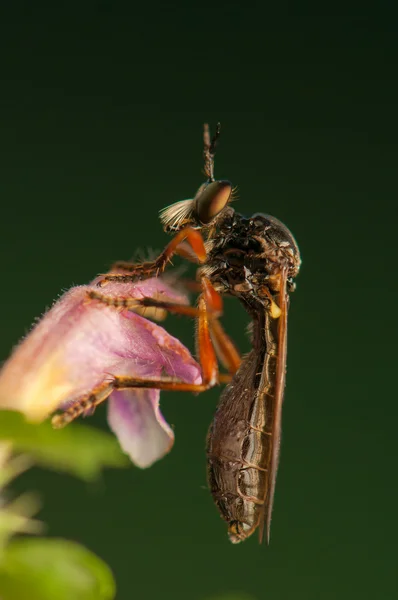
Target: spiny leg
<point x="184" y="250"/>
<point x="207" y="359"/>
<point x="84" y="404"/>
<point x="134" y="303"/>
<point x="225" y="349"/>
<point x="92" y="400"/>
<point x="155" y="268"/>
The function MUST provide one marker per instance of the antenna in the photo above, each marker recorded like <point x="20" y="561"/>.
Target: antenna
<point x="209" y="150"/>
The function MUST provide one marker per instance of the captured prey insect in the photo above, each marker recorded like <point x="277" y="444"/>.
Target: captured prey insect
<point x="254" y="259"/>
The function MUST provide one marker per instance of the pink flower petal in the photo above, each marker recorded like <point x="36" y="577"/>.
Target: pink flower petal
<point x="134" y="415"/>
<point x="135" y="418"/>
<point x="80" y="343"/>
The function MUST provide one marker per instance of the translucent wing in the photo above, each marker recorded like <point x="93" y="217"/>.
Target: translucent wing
<point x="280" y="378"/>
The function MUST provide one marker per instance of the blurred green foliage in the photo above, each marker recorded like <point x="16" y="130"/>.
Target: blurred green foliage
<point x="80" y="450"/>
<point x="40" y="568"/>
<point x="48" y="569"/>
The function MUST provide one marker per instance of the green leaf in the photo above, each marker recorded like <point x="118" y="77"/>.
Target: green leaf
<point x="77" y="449"/>
<point x="53" y="569"/>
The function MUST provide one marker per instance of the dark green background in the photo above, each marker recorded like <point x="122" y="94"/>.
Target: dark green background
<point x="102" y="106"/>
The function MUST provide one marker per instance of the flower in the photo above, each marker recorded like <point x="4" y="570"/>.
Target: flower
<point x="81" y="343"/>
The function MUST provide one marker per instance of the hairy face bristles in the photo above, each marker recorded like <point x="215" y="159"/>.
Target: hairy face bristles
<point x="175" y="215"/>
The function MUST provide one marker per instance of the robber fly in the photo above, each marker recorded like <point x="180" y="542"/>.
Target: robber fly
<point x="254" y="259"/>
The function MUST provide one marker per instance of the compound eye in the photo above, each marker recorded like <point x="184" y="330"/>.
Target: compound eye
<point x="211" y="200"/>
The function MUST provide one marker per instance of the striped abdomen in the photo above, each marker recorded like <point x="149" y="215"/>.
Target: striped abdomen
<point x="240" y="442"/>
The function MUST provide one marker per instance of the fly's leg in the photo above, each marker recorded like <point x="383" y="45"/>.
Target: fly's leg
<point x="135" y="303"/>
<point x="156" y="267"/>
<point x="83" y="405"/>
<point x="184" y="250"/>
<point x="207" y="359"/>
<point x="212" y="341"/>
<point x="225" y="349"/>
<point x="191" y="285"/>
<point x="223" y="345"/>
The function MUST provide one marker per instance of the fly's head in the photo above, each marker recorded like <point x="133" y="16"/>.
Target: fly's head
<point x="242" y="253"/>
<point x="210" y="201"/>
<point x="200" y="212"/>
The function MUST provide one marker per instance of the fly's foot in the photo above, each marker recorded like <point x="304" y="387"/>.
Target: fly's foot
<point x="138" y="273"/>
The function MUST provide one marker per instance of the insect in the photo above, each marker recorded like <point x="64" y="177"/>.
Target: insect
<point x="256" y="260"/>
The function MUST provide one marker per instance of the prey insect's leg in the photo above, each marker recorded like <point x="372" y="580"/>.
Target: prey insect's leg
<point x="149" y="269"/>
